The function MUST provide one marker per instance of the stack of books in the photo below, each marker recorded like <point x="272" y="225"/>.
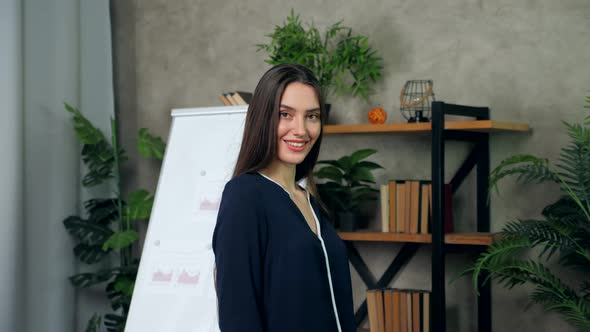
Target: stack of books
<point x="396" y="310"/>
<point x="235" y="98"/>
<point x="406" y="207"/>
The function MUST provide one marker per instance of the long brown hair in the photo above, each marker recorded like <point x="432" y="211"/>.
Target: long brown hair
<point x="259" y="143"/>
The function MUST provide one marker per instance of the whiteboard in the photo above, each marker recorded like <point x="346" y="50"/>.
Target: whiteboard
<point x="174" y="290"/>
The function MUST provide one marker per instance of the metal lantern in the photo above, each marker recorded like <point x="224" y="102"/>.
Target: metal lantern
<point x="416" y="99"/>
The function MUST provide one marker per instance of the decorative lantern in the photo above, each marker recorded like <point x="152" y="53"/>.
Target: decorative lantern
<point x="416" y="99"/>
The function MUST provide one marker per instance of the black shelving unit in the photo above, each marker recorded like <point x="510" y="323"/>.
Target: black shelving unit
<point x="478" y="159"/>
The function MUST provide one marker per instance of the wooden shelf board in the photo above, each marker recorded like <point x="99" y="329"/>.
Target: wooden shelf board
<point x="477" y="125"/>
<point x="484" y="239"/>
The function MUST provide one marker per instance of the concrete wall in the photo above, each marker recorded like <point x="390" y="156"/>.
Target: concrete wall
<point x="523" y="59"/>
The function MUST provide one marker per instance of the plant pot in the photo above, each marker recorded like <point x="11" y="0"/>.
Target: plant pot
<point x="347" y="221"/>
<point x="327" y="108"/>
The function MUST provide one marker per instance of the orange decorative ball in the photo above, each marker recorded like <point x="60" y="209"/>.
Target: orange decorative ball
<point x="377" y="115"/>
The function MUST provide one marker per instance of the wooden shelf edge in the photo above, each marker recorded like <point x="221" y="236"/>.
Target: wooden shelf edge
<point x="385" y="237"/>
<point x="482" y="239"/>
<point x="476" y="125"/>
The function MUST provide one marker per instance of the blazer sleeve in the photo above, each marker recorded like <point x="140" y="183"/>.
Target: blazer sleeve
<point x="238" y="243"/>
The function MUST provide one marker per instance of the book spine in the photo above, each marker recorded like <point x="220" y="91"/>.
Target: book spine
<point x="392" y="207"/>
<point x="384" y="192"/>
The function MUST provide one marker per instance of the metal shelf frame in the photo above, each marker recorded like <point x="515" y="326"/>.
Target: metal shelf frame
<point x="478" y="159"/>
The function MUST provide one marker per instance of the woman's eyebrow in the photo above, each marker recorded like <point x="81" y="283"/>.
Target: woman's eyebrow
<point x="292" y="109"/>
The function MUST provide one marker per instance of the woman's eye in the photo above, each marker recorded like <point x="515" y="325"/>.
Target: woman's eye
<point x="283" y="114"/>
<point x="314" y="116"/>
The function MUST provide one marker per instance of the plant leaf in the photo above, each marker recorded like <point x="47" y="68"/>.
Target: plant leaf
<point x="124" y="285"/>
<point x="138" y="205"/>
<point x="120" y="240"/>
<point x="89" y="254"/>
<point x="85" y="280"/>
<point x="362" y="174"/>
<point x="361" y="154"/>
<point x="85" y="131"/>
<point x="345" y="163"/>
<point x="150" y="146"/>
<point x="102" y="211"/>
<point x="369" y="165"/>
<point x="86" y="231"/>
<point x="331" y="173"/>
<point x="94" y="323"/>
<point x="114" y="323"/>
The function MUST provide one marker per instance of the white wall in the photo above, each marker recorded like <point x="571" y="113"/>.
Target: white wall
<point x="11" y="174"/>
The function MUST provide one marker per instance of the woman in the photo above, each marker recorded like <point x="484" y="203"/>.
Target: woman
<point x="281" y="267"/>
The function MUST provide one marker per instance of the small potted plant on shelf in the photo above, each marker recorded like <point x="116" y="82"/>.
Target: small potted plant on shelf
<point x="347" y="186"/>
<point x="342" y="61"/>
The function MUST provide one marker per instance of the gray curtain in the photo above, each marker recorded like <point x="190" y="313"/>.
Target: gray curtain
<point x="54" y="51"/>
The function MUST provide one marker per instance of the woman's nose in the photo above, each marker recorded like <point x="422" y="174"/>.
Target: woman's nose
<point x="299" y="126"/>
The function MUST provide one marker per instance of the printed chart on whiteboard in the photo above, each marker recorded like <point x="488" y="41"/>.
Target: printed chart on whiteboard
<point x="174" y="290"/>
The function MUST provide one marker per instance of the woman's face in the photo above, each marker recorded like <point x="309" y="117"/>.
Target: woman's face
<point x="299" y="123"/>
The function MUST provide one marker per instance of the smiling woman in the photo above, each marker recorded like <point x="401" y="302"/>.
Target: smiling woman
<point x="280" y="264"/>
<point x="299" y="123"/>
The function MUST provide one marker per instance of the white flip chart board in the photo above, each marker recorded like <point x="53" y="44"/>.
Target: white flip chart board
<point x="174" y="290"/>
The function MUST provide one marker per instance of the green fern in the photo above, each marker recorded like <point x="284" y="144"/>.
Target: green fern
<point x="564" y="229"/>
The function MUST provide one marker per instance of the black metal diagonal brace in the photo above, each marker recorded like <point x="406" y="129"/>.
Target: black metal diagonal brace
<point x="407" y="251"/>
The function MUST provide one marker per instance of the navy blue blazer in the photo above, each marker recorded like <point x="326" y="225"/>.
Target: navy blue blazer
<point x="272" y="274"/>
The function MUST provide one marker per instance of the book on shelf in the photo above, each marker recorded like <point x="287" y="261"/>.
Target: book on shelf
<point x="392" y="206"/>
<point x="384" y="195"/>
<point x="388" y="310"/>
<point x="243" y="97"/>
<point x="416" y="306"/>
<point x="424" y="207"/>
<point x="426" y="312"/>
<point x="230" y="96"/>
<point x="414" y="210"/>
<point x="224" y="100"/>
<point x="235" y="98"/>
<point x="403" y="312"/>
<point x="398" y="310"/>
<point x="396" y="294"/>
<point x="409" y="317"/>
<point x="406" y="207"/>
<point x="380" y="311"/>
<point x="372" y="308"/>
<point x="400" y="206"/>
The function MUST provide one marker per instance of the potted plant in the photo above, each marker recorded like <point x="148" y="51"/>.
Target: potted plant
<point x="110" y="223"/>
<point x="347" y="186"/>
<point x="563" y="229"/>
<point x="342" y="61"/>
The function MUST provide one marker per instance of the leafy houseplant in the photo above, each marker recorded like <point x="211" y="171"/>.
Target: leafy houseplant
<point x="109" y="225"/>
<point x="342" y="61"/>
<point x="564" y="229"/>
<point x="348" y="185"/>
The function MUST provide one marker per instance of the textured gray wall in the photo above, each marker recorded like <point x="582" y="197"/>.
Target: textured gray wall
<point x="523" y="59"/>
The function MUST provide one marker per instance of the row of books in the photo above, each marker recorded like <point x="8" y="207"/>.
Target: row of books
<point x="406" y="207"/>
<point x="235" y="98"/>
<point x="396" y="310"/>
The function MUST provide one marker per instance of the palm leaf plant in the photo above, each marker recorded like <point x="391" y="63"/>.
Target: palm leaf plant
<point x="561" y="235"/>
<point x="348" y="182"/>
<point x="108" y="226"/>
